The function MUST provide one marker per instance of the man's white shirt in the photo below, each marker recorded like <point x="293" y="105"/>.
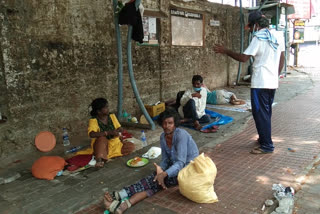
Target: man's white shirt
<point x="200" y="102"/>
<point x="266" y="63"/>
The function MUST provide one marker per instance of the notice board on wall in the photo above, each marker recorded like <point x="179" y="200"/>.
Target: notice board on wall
<point x="150" y="30"/>
<point x="186" y="28"/>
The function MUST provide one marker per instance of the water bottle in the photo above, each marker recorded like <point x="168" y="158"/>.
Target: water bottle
<point x="65" y="137"/>
<point x="73" y="149"/>
<point x="143" y="138"/>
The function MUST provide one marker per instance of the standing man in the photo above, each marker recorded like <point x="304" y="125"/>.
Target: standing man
<point x="268" y="56"/>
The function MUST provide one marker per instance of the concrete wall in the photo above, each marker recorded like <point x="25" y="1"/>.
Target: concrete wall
<point x="57" y="56"/>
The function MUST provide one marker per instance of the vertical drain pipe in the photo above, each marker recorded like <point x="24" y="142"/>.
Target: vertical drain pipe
<point x="120" y="64"/>
<point x="132" y="80"/>
<point x="277" y="17"/>
<point x="285" y="42"/>
<point x="241" y="41"/>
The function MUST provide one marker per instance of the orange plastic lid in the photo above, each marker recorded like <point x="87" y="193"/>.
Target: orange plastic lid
<point x="45" y="141"/>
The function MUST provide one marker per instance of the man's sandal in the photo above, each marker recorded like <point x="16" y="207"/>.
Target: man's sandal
<point x="128" y="204"/>
<point x="116" y="196"/>
<point x="258" y="151"/>
<point x="114" y="206"/>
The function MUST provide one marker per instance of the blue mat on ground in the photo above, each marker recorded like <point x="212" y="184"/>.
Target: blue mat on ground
<point x="216" y="119"/>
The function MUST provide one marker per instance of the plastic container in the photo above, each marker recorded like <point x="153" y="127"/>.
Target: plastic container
<point x="129" y="117"/>
<point x="134" y="120"/>
<point x="65" y="137"/>
<point x="143" y="138"/>
<point x="74" y="149"/>
<point x="125" y="115"/>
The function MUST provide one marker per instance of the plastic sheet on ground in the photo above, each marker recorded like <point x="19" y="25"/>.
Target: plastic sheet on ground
<point x="216" y="119"/>
<point x="152" y="153"/>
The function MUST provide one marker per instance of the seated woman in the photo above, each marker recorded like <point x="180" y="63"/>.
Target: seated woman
<point x="105" y="131"/>
<point x="220" y="97"/>
<point x="177" y="149"/>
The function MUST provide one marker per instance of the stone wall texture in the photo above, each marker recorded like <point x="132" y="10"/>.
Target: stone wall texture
<point x="57" y="56"/>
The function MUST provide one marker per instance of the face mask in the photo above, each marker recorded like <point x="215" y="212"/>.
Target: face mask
<point x="196" y="89"/>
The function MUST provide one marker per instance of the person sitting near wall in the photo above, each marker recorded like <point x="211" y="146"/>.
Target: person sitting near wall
<point x="105" y="131"/>
<point x="193" y="103"/>
<point x="177" y="150"/>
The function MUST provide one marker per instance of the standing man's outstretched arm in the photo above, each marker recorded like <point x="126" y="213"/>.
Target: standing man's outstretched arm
<point x="237" y="56"/>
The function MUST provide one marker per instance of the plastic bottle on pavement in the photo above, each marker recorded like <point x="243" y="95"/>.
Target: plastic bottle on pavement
<point x="74" y="149"/>
<point x="143" y="138"/>
<point x="65" y="137"/>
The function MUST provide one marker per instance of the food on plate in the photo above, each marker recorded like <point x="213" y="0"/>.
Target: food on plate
<point x="137" y="161"/>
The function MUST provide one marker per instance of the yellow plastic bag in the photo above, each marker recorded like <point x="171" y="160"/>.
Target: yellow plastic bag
<point x="196" y="180"/>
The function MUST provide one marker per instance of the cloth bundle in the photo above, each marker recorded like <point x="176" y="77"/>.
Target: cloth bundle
<point x="196" y="180"/>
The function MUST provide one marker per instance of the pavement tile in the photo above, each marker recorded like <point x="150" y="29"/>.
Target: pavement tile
<point x="92" y="209"/>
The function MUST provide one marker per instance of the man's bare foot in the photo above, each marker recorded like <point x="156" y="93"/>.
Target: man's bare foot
<point x="235" y="101"/>
<point x="185" y="120"/>
<point x="238" y="102"/>
<point x="242" y="102"/>
<point x="107" y="200"/>
<point x="197" y="125"/>
<point x="100" y="162"/>
<point x="233" y="98"/>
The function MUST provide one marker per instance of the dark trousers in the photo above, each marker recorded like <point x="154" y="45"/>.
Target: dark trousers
<point x="261" y="104"/>
<point x="189" y="111"/>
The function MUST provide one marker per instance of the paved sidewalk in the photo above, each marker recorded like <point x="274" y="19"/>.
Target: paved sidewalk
<point x="307" y="199"/>
<point x="244" y="181"/>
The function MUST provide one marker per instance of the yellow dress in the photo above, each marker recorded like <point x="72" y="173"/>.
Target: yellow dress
<point x="114" y="145"/>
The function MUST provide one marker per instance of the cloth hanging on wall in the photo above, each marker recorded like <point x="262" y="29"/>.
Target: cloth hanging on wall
<point x="129" y="15"/>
